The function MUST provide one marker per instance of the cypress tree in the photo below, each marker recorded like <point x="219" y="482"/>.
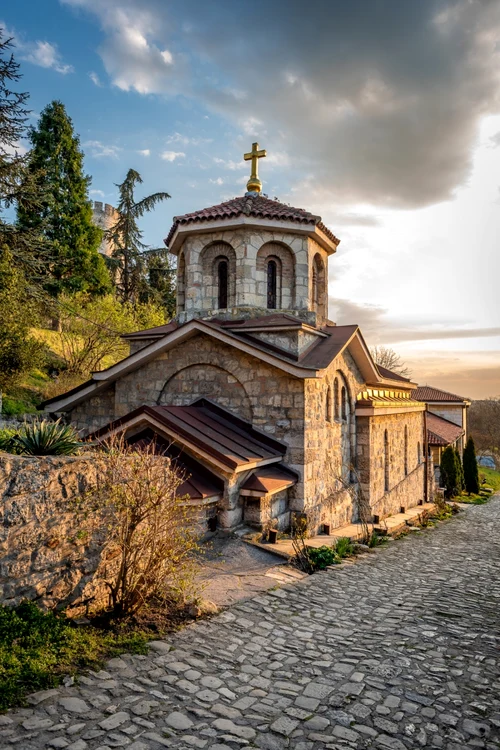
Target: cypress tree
<point x="460" y="471"/>
<point x="471" y="472"/>
<point x="448" y="467"/>
<point x="64" y="218"/>
<point x="128" y="261"/>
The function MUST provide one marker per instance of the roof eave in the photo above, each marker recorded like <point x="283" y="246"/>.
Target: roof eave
<point x="309" y="229"/>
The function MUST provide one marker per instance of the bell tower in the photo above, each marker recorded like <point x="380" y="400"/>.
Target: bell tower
<point x="252" y="257"/>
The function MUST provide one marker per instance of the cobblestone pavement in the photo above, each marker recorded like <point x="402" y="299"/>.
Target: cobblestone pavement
<point x="398" y="650"/>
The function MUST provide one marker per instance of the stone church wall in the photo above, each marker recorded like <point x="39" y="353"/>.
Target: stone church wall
<point x="95" y="412"/>
<point x="404" y="489"/>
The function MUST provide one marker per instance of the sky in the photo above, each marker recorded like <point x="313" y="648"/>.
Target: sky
<point x="383" y="117"/>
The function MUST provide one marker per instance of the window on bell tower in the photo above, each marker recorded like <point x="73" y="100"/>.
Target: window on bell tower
<point x="272" y="275"/>
<point x="222" y="279"/>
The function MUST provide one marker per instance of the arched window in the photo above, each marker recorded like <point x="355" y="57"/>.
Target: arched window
<point x="344" y="403"/>
<point x="329" y="404"/>
<point x="406" y="450"/>
<point x="386" y="461"/>
<point x="272" y="275"/>
<point x="336" y="402"/>
<point x="419" y="454"/>
<point x="222" y="280"/>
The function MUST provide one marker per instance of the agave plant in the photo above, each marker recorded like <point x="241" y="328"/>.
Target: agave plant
<point x="48" y="439"/>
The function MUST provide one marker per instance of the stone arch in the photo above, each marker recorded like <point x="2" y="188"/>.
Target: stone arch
<point x="212" y="256"/>
<point x="210" y="381"/>
<point x="318" y="287"/>
<point x="181" y="282"/>
<point x="285" y="274"/>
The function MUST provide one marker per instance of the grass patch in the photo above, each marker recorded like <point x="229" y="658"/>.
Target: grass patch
<point x="38" y="648"/>
<point x="492" y="480"/>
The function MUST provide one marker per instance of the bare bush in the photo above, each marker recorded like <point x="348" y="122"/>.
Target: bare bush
<point x="149" y="532"/>
<point x="391" y="360"/>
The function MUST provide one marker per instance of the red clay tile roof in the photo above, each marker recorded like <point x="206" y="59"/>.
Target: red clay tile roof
<point x="270" y="479"/>
<point x="428" y="393"/>
<point x="440" y="431"/>
<point x="251" y="205"/>
<point x="217" y="432"/>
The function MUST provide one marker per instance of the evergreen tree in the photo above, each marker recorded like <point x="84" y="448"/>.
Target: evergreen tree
<point x="128" y="260"/>
<point x="460" y="471"/>
<point x="159" y="280"/>
<point x="471" y="473"/>
<point x="65" y="216"/>
<point x="17" y="186"/>
<point x="19" y="352"/>
<point x="449" y="471"/>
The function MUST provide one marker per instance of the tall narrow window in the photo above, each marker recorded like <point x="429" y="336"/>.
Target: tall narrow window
<point x="406" y="450"/>
<point x="271" y="285"/>
<point x="344" y="403"/>
<point x="336" y="402"/>
<point x="222" y="278"/>
<point x="386" y="461"/>
<point x="419" y="454"/>
<point x="329" y="403"/>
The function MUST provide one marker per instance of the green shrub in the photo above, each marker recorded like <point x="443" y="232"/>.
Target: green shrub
<point x="471" y="472"/>
<point x="37" y="648"/>
<point x="48" y="439"/>
<point x="8" y="440"/>
<point x="322" y="557"/>
<point x="344" y="547"/>
<point x="450" y="472"/>
<point x="376" y="540"/>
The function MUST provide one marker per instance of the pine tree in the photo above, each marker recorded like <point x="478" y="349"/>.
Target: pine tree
<point x="159" y="280"/>
<point x="126" y="237"/>
<point x="449" y="471"/>
<point x="16" y="184"/>
<point x="64" y="218"/>
<point x="460" y="471"/>
<point x="471" y="473"/>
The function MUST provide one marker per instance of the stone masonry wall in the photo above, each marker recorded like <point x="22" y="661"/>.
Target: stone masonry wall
<point x="404" y="489"/>
<point x="42" y="556"/>
<point x="94" y="413"/>
<point x="329" y="447"/>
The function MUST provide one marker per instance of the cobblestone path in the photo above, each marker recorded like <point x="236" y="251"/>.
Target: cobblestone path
<point x="398" y="650"/>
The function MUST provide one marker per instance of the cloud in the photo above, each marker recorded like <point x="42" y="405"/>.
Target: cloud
<point x="144" y="152"/>
<point x="172" y="155"/>
<point x="42" y="53"/>
<point x="99" y="150"/>
<point x="218" y="181"/>
<point x="95" y="79"/>
<point x="380" y="102"/>
<point x="99" y="193"/>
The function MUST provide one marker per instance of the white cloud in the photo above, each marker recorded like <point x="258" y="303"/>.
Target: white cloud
<point x="98" y="193"/>
<point x="144" y="152"/>
<point x="100" y="150"/>
<point x="41" y="53"/>
<point x="187" y="140"/>
<point x="172" y="155"/>
<point x="218" y="181"/>
<point x="12" y="150"/>
<point x="95" y="79"/>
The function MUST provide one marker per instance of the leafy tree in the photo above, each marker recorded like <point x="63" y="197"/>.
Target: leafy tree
<point x="128" y="254"/>
<point x="159" y="286"/>
<point x="17" y="185"/>
<point x="388" y="358"/>
<point x="19" y="352"/>
<point x="471" y="473"/>
<point x="64" y="217"/>
<point x="450" y="477"/>
<point x="484" y="425"/>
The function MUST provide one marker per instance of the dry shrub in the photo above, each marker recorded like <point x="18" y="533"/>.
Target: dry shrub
<point x="149" y="532"/>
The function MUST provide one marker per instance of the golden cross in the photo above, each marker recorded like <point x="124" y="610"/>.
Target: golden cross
<point x="254" y="185"/>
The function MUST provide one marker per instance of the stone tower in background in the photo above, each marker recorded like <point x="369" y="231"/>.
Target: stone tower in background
<point x="104" y="216"/>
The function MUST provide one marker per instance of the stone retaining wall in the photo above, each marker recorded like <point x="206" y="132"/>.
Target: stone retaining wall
<point x="42" y="557"/>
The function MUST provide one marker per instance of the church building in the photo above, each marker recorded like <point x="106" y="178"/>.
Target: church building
<point x="269" y="407"/>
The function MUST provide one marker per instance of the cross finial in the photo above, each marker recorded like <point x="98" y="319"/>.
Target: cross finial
<point x="254" y="185"/>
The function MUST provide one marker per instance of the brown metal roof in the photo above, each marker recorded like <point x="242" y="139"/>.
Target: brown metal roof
<point x="442" y="432"/>
<point x="216" y="432"/>
<point x="157" y="332"/>
<point x="198" y="482"/>
<point x="251" y="205"/>
<point x="428" y="393"/>
<point x="391" y="375"/>
<point x="325" y="351"/>
<point x="270" y="479"/>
